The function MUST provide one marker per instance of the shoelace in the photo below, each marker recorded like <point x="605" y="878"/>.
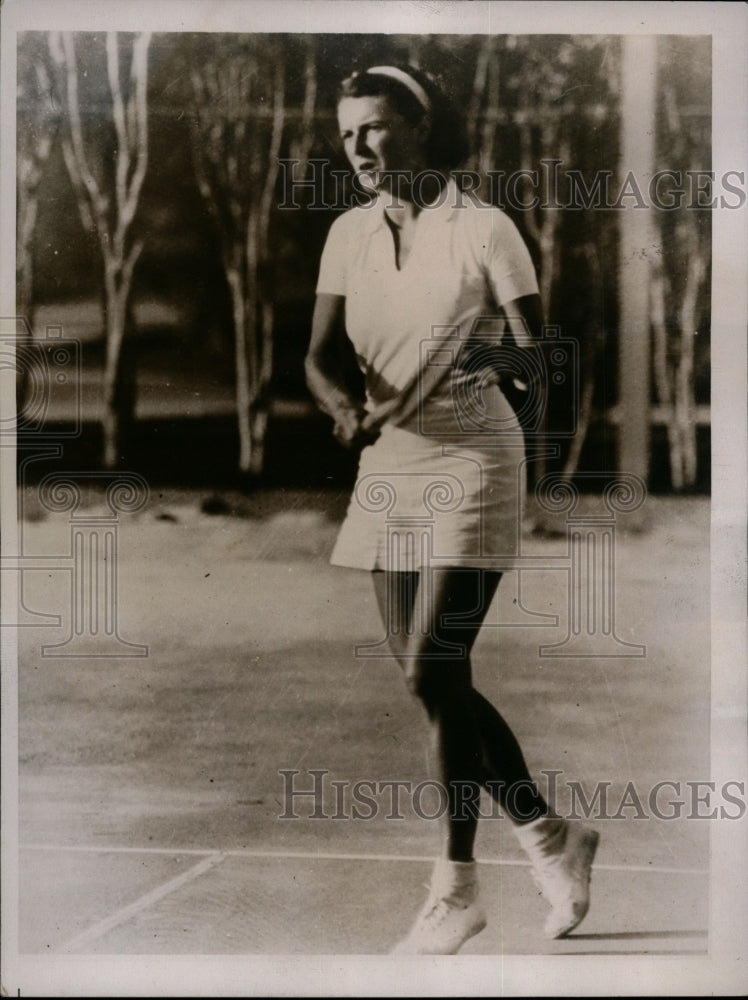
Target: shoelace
<point x="437" y="914"/>
<point x="440" y="910"/>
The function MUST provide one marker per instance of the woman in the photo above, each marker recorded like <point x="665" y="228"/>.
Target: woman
<point x="415" y="277"/>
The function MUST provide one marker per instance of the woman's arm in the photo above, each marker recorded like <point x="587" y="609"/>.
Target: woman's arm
<point x="524" y="319"/>
<point x="324" y="372"/>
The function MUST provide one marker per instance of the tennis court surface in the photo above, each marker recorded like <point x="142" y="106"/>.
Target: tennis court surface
<point x="153" y="804"/>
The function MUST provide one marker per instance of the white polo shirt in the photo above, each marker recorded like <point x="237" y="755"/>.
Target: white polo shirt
<point x="465" y="259"/>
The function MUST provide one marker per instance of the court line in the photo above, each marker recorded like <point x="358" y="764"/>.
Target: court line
<point x="330" y="856"/>
<point x="100" y="928"/>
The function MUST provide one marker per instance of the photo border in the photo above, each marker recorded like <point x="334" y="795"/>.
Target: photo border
<point x="723" y="969"/>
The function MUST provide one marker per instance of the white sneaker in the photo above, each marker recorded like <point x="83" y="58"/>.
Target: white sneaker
<point x="563" y="876"/>
<point x="452" y="913"/>
<point x="442" y="927"/>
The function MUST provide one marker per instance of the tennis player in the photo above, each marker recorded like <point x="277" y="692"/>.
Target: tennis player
<point x="424" y="265"/>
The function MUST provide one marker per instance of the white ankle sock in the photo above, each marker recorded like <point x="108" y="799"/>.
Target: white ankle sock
<point x="546" y="835"/>
<point x="454" y="879"/>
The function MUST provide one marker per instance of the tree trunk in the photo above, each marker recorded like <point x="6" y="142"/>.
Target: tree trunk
<point x="258" y="423"/>
<point x="24" y="299"/>
<point x="684" y="388"/>
<point x="236" y="148"/>
<point x="110" y="217"/>
<point x="241" y="367"/>
<point x="118" y="408"/>
<point x="661" y="373"/>
<point x="252" y="405"/>
<point x="27" y="206"/>
<point x="637" y="237"/>
<point x="111" y="417"/>
<point x="260" y="405"/>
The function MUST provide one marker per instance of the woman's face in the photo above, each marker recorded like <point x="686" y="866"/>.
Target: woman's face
<point x="377" y="138"/>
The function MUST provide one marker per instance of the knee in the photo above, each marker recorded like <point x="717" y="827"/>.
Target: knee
<point x="434" y="683"/>
<point x="398" y="651"/>
<point x="415" y="680"/>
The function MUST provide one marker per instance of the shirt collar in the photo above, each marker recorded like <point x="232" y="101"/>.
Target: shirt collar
<point x="442" y="211"/>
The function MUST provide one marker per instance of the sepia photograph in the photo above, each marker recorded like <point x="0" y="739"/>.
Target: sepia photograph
<point x="373" y="449"/>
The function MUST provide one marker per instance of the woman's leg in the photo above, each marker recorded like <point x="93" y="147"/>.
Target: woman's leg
<point x="433" y="622"/>
<point x="506" y="775"/>
<point x="419" y="638"/>
<point x="436" y="664"/>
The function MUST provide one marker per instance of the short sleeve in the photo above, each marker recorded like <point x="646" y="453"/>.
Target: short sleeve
<point x="332" y="268"/>
<point x="508" y="265"/>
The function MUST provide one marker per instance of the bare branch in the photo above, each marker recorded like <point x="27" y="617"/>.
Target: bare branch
<point x="302" y="143"/>
<point x="122" y="153"/>
<point x="207" y="191"/>
<point x="47" y="105"/>
<point x="140" y="73"/>
<point x="62" y="50"/>
<point x="479" y="84"/>
<point x="255" y="145"/>
<point x="84" y="208"/>
<point x="128" y="265"/>
<point x="488" y="132"/>
<point x="38" y="119"/>
<point x="271" y="176"/>
<point x="659" y="327"/>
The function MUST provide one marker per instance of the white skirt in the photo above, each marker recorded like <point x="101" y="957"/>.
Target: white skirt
<point x="434" y="493"/>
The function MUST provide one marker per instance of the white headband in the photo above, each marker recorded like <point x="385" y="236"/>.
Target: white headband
<point x="406" y="80"/>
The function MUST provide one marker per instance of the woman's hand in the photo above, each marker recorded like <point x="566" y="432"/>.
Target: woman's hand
<point x="351" y="428"/>
<point x="325" y="378"/>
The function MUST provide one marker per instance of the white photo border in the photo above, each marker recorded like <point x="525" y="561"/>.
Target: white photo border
<point x="723" y="970"/>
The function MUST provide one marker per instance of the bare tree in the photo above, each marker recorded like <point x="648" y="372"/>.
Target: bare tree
<point x="37" y="123"/>
<point x="485" y="114"/>
<point x="530" y="99"/>
<point x="677" y="282"/>
<point x="239" y="94"/>
<point x="303" y="136"/>
<point x="108" y="205"/>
